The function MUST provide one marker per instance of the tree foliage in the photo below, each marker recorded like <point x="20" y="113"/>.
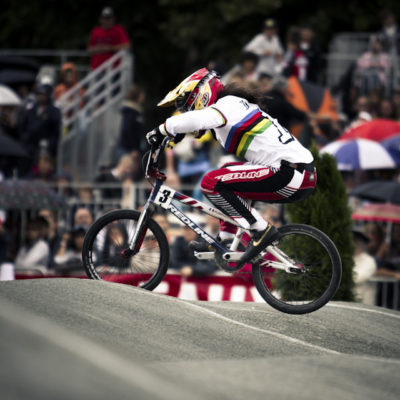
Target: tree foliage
<point x="172" y="37"/>
<point x="327" y="209"/>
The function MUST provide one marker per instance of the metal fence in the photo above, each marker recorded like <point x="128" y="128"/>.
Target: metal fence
<point x="91" y="118"/>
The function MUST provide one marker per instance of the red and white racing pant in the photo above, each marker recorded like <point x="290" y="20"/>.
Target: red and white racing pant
<point x="230" y="187"/>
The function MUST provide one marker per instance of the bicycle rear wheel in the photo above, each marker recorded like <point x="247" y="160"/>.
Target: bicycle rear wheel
<point x="105" y="257"/>
<point x="315" y="282"/>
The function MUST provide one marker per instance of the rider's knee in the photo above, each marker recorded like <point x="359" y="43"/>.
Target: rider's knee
<point x="208" y="182"/>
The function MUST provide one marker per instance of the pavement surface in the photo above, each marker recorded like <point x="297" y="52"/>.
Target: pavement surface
<point x="84" y="339"/>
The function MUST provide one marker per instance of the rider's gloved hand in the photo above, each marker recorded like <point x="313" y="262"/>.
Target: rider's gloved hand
<point x="178" y="138"/>
<point x="154" y="137"/>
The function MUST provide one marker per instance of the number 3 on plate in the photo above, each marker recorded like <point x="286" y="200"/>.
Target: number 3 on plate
<point x="164" y="196"/>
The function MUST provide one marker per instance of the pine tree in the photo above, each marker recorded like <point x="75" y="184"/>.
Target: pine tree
<point x="327" y="209"/>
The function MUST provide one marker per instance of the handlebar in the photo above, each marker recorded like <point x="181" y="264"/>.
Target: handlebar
<point x="152" y="167"/>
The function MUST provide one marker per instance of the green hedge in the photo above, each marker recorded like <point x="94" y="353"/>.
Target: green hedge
<point x="327" y="209"/>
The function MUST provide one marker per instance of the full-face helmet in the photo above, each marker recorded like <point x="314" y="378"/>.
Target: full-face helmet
<point x="197" y="91"/>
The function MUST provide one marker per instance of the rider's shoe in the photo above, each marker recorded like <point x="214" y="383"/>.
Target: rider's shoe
<point x="260" y="240"/>
<point x="201" y="246"/>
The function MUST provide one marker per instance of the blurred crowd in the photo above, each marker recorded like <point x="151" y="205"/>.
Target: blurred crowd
<point x="276" y="64"/>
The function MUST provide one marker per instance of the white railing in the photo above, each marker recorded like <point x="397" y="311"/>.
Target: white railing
<point x="91" y="118"/>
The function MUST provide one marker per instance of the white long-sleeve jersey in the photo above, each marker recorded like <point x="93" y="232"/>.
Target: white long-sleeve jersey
<point x="243" y="129"/>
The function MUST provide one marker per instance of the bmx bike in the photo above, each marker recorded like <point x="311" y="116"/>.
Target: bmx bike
<point x="297" y="275"/>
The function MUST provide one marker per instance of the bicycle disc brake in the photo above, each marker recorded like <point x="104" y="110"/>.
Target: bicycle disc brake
<point x="226" y="265"/>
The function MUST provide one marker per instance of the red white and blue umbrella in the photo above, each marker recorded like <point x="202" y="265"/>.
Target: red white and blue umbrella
<point x="377" y="129"/>
<point x="360" y="154"/>
<point x="392" y="145"/>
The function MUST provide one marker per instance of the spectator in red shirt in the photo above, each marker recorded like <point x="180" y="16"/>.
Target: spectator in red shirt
<point x="106" y="39"/>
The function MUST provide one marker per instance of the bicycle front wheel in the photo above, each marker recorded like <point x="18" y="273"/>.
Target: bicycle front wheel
<point x="105" y="255"/>
<point x="311" y="285"/>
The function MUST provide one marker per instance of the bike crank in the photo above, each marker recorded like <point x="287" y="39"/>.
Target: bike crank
<point x="225" y="260"/>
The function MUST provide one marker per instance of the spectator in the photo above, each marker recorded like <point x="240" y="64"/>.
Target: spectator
<point x="106" y="39"/>
<point x="10" y="165"/>
<point x="85" y="196"/>
<point x="346" y="91"/>
<point x="376" y="240"/>
<point x="44" y="170"/>
<point x="294" y="61"/>
<point x="116" y="240"/>
<point x="212" y="225"/>
<point x="162" y="220"/>
<point x="183" y="257"/>
<point x="312" y="52"/>
<point x="83" y="218"/>
<point x="387" y="109"/>
<point x="34" y="254"/>
<point x="362" y="104"/>
<point x="248" y="66"/>
<point x="192" y="159"/>
<point x="52" y="234"/>
<point x="362" y="118"/>
<point x="8" y="120"/>
<point x="4" y="240"/>
<point x="396" y="102"/>
<point x="245" y="71"/>
<point x="264" y="82"/>
<point x="237" y="77"/>
<point x="388" y="255"/>
<point x="373" y="67"/>
<point x="275" y="103"/>
<point x="69" y="254"/>
<point x="364" y="268"/>
<point x="68" y="79"/>
<point x="173" y="179"/>
<point x="268" y="47"/>
<point x="273" y="214"/>
<point x="217" y="65"/>
<point x="389" y="263"/>
<point x="42" y="121"/>
<point x="390" y="31"/>
<point x="127" y="171"/>
<point x="375" y="97"/>
<point x="132" y="137"/>
<point x="64" y="185"/>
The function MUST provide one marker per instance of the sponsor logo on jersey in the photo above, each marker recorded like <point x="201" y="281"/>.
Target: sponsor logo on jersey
<point x="244" y="175"/>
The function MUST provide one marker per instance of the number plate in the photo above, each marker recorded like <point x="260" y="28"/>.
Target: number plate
<point x="164" y="196"/>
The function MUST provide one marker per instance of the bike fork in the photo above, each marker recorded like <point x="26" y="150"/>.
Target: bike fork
<point x="141" y="229"/>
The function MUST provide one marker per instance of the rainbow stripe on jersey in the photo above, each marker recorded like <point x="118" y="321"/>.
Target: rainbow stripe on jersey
<point x="242" y="134"/>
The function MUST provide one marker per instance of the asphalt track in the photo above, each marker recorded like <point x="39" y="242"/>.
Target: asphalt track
<point x="82" y="339"/>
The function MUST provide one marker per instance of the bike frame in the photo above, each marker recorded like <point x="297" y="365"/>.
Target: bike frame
<point x="166" y="197"/>
<point x="163" y="196"/>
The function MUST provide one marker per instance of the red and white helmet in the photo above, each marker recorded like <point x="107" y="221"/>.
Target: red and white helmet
<point x="197" y="91"/>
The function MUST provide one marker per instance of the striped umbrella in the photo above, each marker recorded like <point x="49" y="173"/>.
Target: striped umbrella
<point x="392" y="145"/>
<point x="377" y="129"/>
<point x="383" y="212"/>
<point x="359" y="154"/>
